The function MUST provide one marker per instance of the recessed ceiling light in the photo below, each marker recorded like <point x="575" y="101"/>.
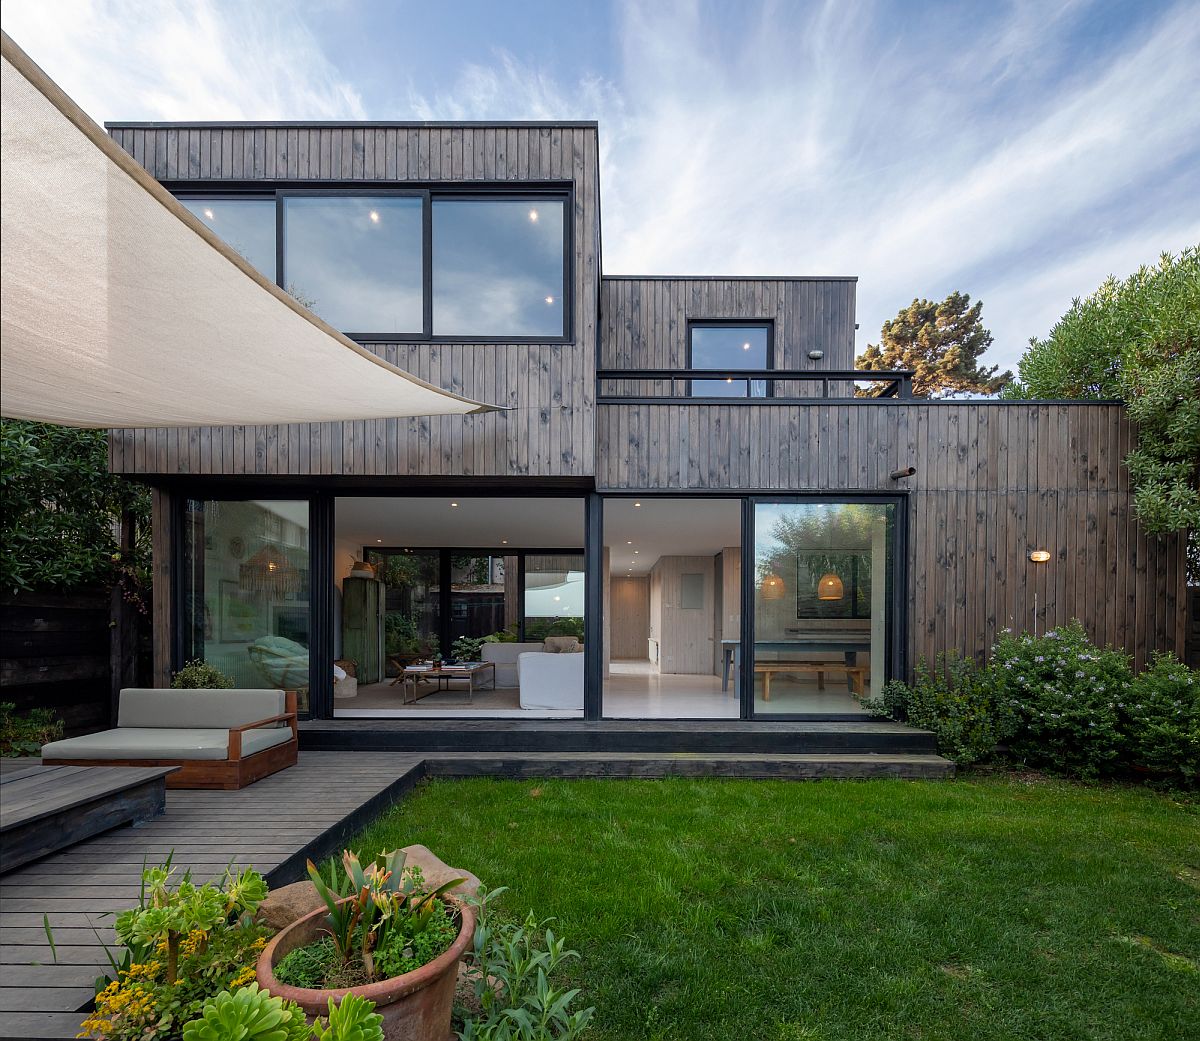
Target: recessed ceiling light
<point x="533" y="215"/>
<point x="637" y="504"/>
<point x="504" y="542"/>
<point x="728" y="379"/>
<point x="745" y="346"/>
<point x="557" y="598"/>
<point x="637" y="551"/>
<point x="549" y="299"/>
<point x="379" y="540"/>
<point x="374" y="215"/>
<point x="629" y="543"/>
<point x="208" y="214"/>
<point x="454" y="504"/>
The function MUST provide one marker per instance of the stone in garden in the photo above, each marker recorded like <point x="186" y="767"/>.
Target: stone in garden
<point x="288" y="903"/>
<point x="436" y="871"/>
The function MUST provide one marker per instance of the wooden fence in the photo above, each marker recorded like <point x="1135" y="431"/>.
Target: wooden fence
<point x="60" y="650"/>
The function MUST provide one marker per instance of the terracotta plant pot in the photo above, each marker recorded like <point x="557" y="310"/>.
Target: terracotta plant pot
<point x="415" y="1006"/>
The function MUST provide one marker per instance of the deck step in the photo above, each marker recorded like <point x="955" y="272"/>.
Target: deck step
<point x="728" y="736"/>
<point x="682" y="764"/>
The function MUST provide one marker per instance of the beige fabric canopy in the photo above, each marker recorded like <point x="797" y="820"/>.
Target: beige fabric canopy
<point x="119" y="308"/>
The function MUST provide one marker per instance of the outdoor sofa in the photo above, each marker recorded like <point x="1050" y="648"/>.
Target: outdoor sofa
<point x="219" y="738"/>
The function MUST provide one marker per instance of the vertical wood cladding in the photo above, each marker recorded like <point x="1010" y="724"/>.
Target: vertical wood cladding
<point x="644" y="321"/>
<point x="549" y="387"/>
<point x="992" y="483"/>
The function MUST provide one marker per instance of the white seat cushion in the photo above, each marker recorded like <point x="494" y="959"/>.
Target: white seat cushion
<point x="162" y="743"/>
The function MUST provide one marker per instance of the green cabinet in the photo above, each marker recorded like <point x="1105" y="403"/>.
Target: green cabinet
<point x="362" y="626"/>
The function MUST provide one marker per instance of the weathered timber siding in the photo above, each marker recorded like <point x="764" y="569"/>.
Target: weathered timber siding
<point x="549" y="387"/>
<point x="992" y="483"/>
<point x="643" y="323"/>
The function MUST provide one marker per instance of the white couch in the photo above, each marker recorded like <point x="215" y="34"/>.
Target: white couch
<point x="551" y="681"/>
<point x="504" y="657"/>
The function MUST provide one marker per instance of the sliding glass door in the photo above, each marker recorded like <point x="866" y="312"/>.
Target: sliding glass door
<point x="823" y="587"/>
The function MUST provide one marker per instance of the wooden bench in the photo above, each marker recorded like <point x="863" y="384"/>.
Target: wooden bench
<point x="47" y="808"/>
<point x="855" y="674"/>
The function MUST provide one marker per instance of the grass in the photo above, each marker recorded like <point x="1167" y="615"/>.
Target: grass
<point x="986" y="908"/>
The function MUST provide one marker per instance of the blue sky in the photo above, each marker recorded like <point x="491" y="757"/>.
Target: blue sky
<point x="1019" y="152"/>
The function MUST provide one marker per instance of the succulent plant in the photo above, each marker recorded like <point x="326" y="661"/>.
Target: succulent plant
<point x="248" y="1014"/>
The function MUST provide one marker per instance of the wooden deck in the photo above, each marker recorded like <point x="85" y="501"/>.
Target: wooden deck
<point x="274" y="825"/>
<point x="47" y="808"/>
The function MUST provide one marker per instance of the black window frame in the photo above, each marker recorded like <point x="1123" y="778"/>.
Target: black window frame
<point x="733" y="323"/>
<point x="427" y="193"/>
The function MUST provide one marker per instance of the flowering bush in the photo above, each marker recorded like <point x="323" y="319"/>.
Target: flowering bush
<point x="957" y="701"/>
<point x="182" y="945"/>
<point x="1161" y="718"/>
<point x="1063" y="692"/>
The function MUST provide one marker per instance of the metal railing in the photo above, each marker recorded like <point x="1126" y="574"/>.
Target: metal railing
<point x="760" y="384"/>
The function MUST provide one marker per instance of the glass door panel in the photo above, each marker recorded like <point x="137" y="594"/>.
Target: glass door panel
<point x="823" y="578"/>
<point x="410" y="620"/>
<point x="245" y="590"/>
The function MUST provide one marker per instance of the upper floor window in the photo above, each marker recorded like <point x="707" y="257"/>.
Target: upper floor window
<point x="247" y="225"/>
<point x="498" y="267"/>
<point x="728" y="347"/>
<point x="356" y="260"/>
<point x="410" y="264"/>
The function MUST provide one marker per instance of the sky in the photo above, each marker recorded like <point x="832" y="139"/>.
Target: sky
<point x="1020" y="152"/>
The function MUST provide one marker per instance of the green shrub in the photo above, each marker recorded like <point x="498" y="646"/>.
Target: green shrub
<point x="199" y="675"/>
<point x="466" y="648"/>
<point x="1160" y="715"/>
<point x="512" y="967"/>
<point x="25" y="735"/>
<point x="1063" y="692"/>
<point x="957" y="701"/>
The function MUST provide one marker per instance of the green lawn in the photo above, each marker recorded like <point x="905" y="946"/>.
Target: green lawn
<point x="983" y="908"/>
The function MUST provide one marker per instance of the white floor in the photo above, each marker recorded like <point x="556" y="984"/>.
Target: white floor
<point x="636" y="690"/>
<point x="632" y="690"/>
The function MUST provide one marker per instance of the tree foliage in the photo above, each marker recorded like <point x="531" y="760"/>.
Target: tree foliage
<point x="59" y="508"/>
<point x="942" y="343"/>
<point x="1137" y="340"/>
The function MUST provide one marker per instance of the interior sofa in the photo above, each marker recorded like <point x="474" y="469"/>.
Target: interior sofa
<point x="551" y="681"/>
<point x="504" y="656"/>
<point x="219" y="738"/>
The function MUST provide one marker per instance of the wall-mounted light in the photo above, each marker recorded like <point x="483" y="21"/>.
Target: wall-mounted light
<point x="1040" y="556"/>
<point x="906" y="471"/>
<point x="816" y="355"/>
<point x="830" y="587"/>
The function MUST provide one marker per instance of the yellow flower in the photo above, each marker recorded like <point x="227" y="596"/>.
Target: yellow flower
<point x="244" y="977"/>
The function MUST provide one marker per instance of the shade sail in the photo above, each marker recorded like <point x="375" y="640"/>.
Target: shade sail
<point x="118" y="308"/>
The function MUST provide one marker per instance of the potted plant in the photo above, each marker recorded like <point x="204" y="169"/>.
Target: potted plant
<point x="382" y="935"/>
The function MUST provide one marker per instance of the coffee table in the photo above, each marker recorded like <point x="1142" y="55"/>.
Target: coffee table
<point x="475" y="673"/>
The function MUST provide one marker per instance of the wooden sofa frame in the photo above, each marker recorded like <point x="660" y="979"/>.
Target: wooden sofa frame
<point x="228" y="774"/>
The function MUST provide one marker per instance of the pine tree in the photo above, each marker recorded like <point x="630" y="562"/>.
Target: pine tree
<point x="942" y="343"/>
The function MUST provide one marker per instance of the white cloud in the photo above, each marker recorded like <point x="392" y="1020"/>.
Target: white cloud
<point x="182" y="59"/>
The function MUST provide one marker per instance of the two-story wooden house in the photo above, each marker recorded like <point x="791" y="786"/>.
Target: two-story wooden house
<point x="681" y="480"/>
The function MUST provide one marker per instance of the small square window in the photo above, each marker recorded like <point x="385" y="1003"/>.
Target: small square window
<point x="728" y="347"/>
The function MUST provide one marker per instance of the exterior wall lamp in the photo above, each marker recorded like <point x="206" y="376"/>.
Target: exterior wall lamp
<point x="906" y="471"/>
<point x="1040" y="556"/>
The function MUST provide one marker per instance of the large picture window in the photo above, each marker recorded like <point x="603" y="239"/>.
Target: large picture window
<point x="411" y="264"/>
<point x="356" y="260"/>
<point x="246" y="225"/>
<point x="498" y="267"/>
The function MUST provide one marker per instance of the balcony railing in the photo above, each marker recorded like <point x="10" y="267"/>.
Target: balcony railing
<point x="759" y="386"/>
